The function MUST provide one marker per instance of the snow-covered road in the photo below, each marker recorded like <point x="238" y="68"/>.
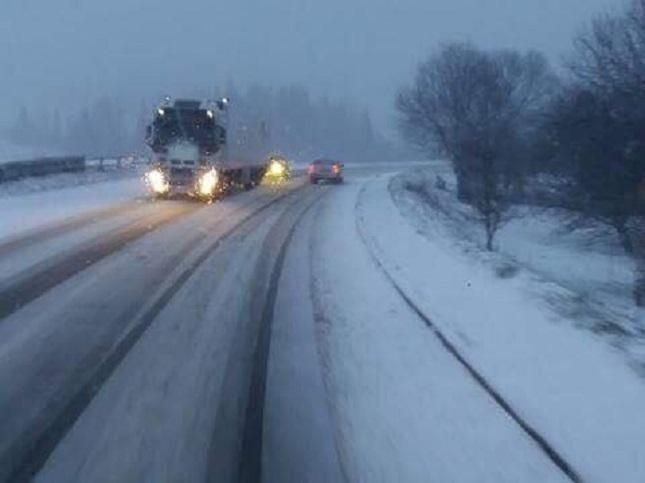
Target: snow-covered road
<point x="20" y="214"/>
<point x="261" y="338"/>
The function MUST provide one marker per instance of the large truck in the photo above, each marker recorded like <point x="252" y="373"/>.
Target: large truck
<point x="188" y="139"/>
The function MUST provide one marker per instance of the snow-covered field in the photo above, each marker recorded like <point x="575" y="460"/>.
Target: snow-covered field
<point x="583" y="273"/>
<point x="578" y="390"/>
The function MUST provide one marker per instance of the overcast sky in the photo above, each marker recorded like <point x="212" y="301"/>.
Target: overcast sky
<point x="69" y="51"/>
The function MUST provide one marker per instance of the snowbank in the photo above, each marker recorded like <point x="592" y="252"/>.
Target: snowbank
<point x="584" y="272"/>
<point x="91" y="176"/>
<point x="567" y="382"/>
<point x="403" y="408"/>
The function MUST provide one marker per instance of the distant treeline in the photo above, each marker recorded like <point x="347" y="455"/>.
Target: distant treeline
<point x="263" y="119"/>
<point x="290" y="121"/>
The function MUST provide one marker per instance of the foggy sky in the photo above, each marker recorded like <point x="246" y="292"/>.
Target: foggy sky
<point x="67" y="52"/>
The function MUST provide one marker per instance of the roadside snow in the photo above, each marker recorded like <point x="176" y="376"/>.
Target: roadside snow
<point x="92" y="175"/>
<point x="566" y="382"/>
<point x="403" y="408"/>
<point x="583" y="273"/>
<point x="19" y="214"/>
<point x="588" y="262"/>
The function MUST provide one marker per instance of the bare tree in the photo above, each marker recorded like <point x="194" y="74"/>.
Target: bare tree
<point x="477" y="108"/>
<point x="608" y="55"/>
<point x="599" y="125"/>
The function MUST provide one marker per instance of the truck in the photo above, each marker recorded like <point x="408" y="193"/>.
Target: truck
<point x="188" y="140"/>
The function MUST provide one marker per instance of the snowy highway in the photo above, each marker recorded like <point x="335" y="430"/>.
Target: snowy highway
<point x="291" y="333"/>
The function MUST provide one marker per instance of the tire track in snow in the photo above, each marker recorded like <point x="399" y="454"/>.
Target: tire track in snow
<point x="322" y="323"/>
<point x="35" y="281"/>
<point x="26" y="286"/>
<point x="64" y="227"/>
<point x="28" y="457"/>
<point x="278" y="240"/>
<point x="541" y="442"/>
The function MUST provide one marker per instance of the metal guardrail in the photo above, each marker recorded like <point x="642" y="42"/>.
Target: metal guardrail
<point x="14" y="170"/>
<point x="116" y="163"/>
<point x="108" y="164"/>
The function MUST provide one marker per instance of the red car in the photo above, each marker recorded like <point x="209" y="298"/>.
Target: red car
<point x="327" y="170"/>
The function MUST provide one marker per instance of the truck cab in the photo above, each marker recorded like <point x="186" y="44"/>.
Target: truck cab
<point x="188" y="140"/>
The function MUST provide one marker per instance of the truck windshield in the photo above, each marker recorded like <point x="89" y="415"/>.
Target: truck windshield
<point x="186" y="125"/>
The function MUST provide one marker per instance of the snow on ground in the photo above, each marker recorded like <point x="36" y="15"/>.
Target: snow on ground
<point x="154" y="418"/>
<point x="102" y="225"/>
<point x="403" y="408"/>
<point x="583" y="272"/>
<point x="587" y="262"/>
<point x="97" y="170"/>
<point x="567" y="382"/>
<point x="29" y="202"/>
<point x="19" y="214"/>
<point x="113" y="291"/>
<point x="299" y="443"/>
<point x="92" y="175"/>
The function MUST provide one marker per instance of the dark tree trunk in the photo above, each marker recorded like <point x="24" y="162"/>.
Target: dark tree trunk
<point x="464" y="188"/>
<point x="625" y="237"/>
<point x="634" y="240"/>
<point x="490" y="236"/>
<point x="639" y="285"/>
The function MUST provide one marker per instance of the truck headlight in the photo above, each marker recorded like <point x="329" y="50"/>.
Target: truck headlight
<point x="276" y="168"/>
<point x="157" y="181"/>
<point x="208" y="183"/>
